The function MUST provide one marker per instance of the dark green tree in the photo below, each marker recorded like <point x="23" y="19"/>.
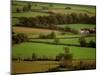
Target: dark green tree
<point x="34" y="57"/>
<point x="82" y="42"/>
<point x="56" y="41"/>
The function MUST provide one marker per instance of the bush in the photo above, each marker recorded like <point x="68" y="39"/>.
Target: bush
<point x="59" y="56"/>
<point x="52" y="35"/>
<point x="82" y="42"/>
<point x="19" y="38"/>
<point x="92" y="44"/>
<point x="68" y="8"/>
<point x="34" y="57"/>
<point x="56" y="41"/>
<point x="67" y="28"/>
<point x="42" y="36"/>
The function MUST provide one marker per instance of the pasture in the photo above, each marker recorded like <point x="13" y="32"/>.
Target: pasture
<point x="65" y="40"/>
<point x="78" y="26"/>
<point x="25" y="50"/>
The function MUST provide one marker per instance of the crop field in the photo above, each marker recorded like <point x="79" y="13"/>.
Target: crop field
<point x="33" y="31"/>
<point x="39" y="66"/>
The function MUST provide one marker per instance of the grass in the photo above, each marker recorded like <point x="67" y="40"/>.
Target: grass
<point x="15" y="21"/>
<point x="66" y="41"/>
<point x="26" y="50"/>
<point x="79" y="8"/>
<point x="78" y="26"/>
<point x="29" y="14"/>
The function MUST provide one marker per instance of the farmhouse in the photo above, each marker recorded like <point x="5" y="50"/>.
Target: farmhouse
<point x="87" y="31"/>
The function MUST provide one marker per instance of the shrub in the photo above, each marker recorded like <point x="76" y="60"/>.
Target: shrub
<point x="34" y="57"/>
<point x="67" y="28"/>
<point x="56" y="41"/>
<point x="68" y="8"/>
<point x="18" y="38"/>
<point x="92" y="44"/>
<point x="52" y="35"/>
<point x="82" y="42"/>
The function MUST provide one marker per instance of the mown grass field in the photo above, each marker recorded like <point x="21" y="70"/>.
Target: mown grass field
<point x="26" y="50"/>
<point x="65" y="40"/>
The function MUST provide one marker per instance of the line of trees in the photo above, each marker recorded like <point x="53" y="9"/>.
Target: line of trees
<point x="52" y="20"/>
<point x="18" y="38"/>
<point x="84" y="43"/>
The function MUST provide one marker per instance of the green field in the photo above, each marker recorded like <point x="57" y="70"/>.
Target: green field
<point x="26" y="50"/>
<point x="36" y="27"/>
<point x="29" y="14"/>
<point x="52" y="7"/>
<point x="77" y="26"/>
<point x="60" y="7"/>
<point x="65" y="40"/>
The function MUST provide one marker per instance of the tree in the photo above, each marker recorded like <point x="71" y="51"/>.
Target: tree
<point x="34" y="57"/>
<point x="19" y="38"/>
<point x="68" y="8"/>
<point x="59" y="56"/>
<point x="52" y="35"/>
<point x="92" y="44"/>
<point x="50" y="5"/>
<point x="67" y="28"/>
<point x="18" y="10"/>
<point x="29" y="6"/>
<point x="56" y="41"/>
<point x="82" y="42"/>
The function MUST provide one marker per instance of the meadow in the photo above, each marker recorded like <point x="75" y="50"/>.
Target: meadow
<point x="77" y="26"/>
<point x="25" y="50"/>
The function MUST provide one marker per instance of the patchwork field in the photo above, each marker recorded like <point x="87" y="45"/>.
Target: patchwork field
<point x="47" y="35"/>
